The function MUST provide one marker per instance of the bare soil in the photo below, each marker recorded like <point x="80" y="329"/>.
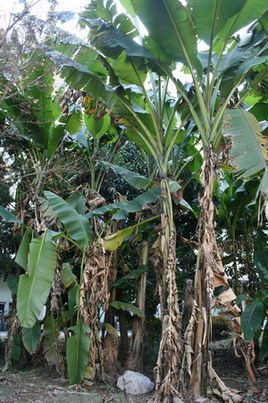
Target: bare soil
<point x="232" y="371"/>
<point x="44" y="385"/>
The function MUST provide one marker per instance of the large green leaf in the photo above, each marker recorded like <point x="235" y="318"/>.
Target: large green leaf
<point x="252" y="318"/>
<point x="97" y="127"/>
<point x="249" y="11"/>
<point x="31" y="338"/>
<point x="7" y="216"/>
<point x="126" y="207"/>
<point x="248" y="153"/>
<point x="136" y="180"/>
<point x="22" y="254"/>
<point x="211" y="15"/>
<point x="76" y="225"/>
<point x="77" y="352"/>
<point x="168" y="24"/>
<point x="34" y="287"/>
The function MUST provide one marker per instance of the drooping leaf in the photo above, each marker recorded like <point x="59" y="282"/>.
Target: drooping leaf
<point x="74" y="122"/>
<point x="22" y="254"/>
<point x="57" y="131"/>
<point x="73" y="301"/>
<point x="51" y="332"/>
<point x="80" y="77"/>
<point x="133" y="275"/>
<point x="97" y="127"/>
<point x="77" y="75"/>
<point x="126" y="207"/>
<point x="78" y="202"/>
<point x="7" y="216"/>
<point x="244" y="57"/>
<point x="127" y="307"/>
<point x="252" y="318"/>
<point x="31" y="338"/>
<point x="67" y="276"/>
<point x="77" y="352"/>
<point x="112" y="242"/>
<point x="112" y="41"/>
<point x="46" y="211"/>
<point x="248" y="152"/>
<point x="76" y="225"/>
<point x="35" y="286"/>
<point x="136" y="180"/>
<point x="51" y="343"/>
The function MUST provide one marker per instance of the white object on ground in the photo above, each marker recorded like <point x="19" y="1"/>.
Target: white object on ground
<point x="135" y="383"/>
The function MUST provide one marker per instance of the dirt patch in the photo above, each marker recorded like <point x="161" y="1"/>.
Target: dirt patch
<point x="45" y="385"/>
<point x="231" y="370"/>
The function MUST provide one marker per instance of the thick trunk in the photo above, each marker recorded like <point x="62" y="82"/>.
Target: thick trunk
<point x="136" y="363"/>
<point x="209" y="275"/>
<point x="169" y="356"/>
<point x="94" y="292"/>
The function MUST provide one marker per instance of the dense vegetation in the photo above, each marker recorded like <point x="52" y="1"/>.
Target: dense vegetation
<point x="132" y="200"/>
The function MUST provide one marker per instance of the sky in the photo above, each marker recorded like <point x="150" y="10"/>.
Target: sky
<point x="41" y="8"/>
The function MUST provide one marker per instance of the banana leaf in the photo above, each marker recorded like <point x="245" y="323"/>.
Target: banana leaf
<point x="35" y="285"/>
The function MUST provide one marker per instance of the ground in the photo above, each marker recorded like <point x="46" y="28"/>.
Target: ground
<point x="44" y="385"/>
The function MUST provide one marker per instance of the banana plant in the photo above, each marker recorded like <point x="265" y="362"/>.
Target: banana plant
<point x="83" y="347"/>
<point x="155" y="127"/>
<point x="223" y="68"/>
<point x="135" y="88"/>
<point x="37" y="120"/>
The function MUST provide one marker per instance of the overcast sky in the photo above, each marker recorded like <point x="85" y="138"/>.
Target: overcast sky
<point x="41" y="8"/>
